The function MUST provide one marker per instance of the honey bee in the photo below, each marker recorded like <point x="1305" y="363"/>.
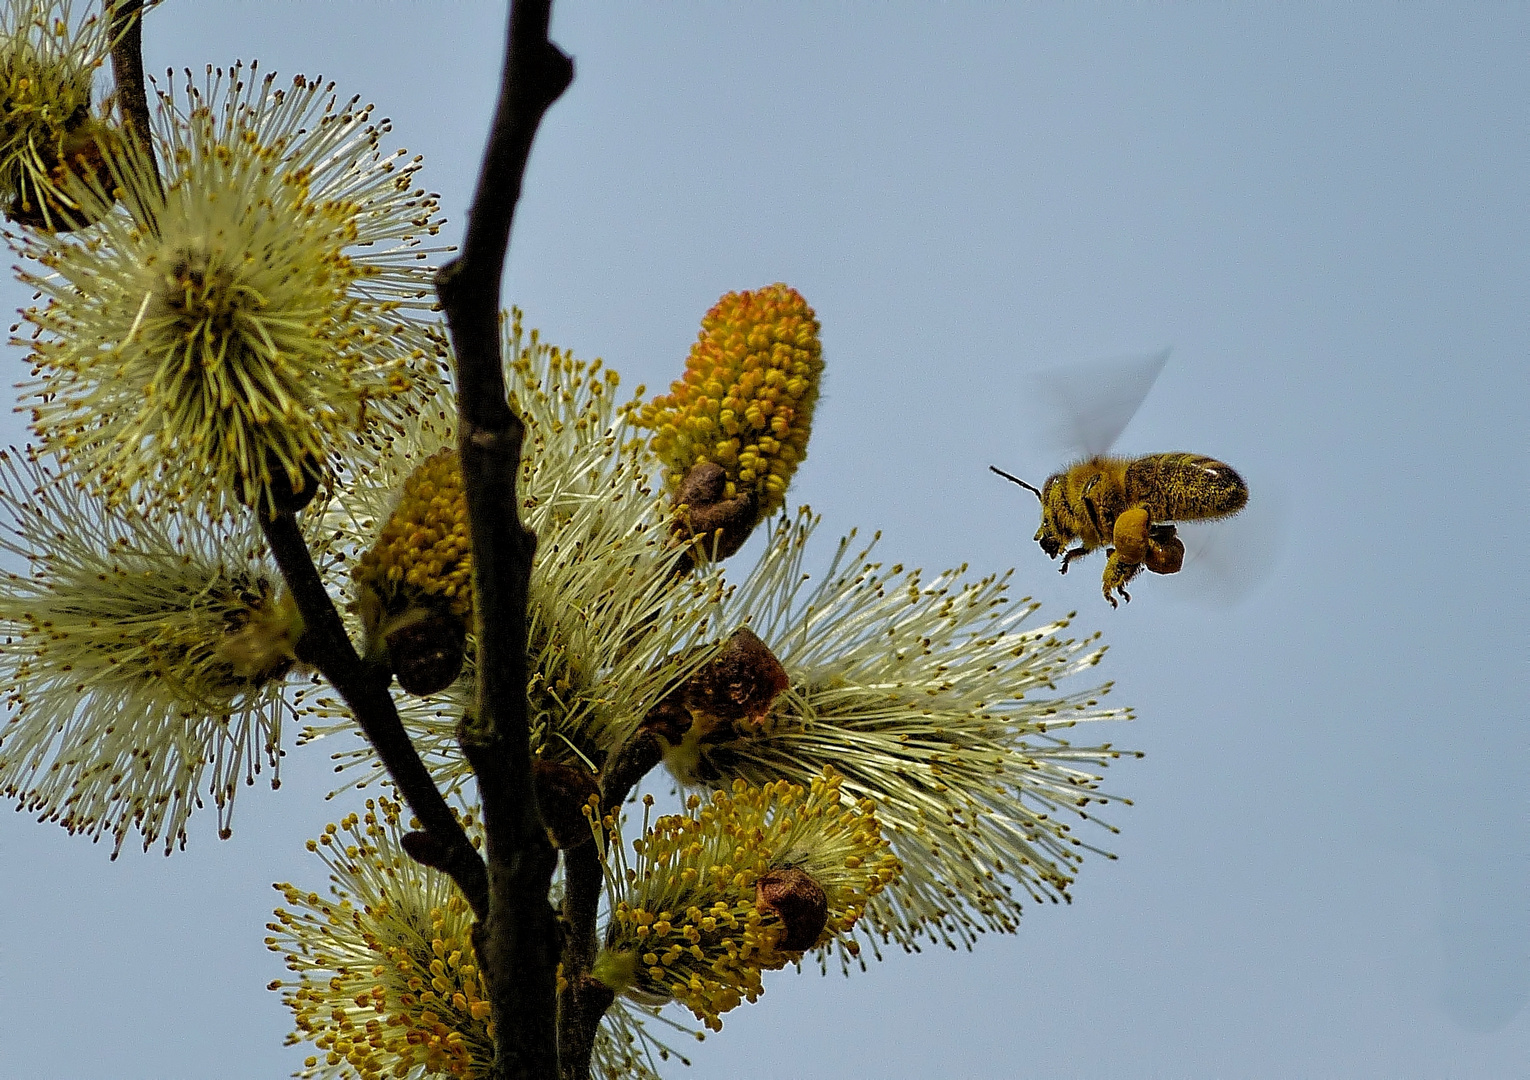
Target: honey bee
<point x="1128" y="505"/>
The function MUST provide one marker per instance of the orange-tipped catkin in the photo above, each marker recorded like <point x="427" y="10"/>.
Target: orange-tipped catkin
<point x="746" y="401"/>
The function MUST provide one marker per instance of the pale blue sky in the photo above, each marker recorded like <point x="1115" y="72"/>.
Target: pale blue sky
<point x="1322" y="209"/>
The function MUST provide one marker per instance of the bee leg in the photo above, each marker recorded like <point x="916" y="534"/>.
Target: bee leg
<point x="1118" y="572"/>
<point x="1131" y="533"/>
<point x="1166" y="551"/>
<point x="1069" y="556"/>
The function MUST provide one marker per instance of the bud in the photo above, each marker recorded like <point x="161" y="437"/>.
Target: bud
<point x="744" y="405"/>
<point x="669" y="719"/>
<point x="738" y="684"/>
<point x="727" y="696"/>
<point x="286" y="493"/>
<point x="792" y="896"/>
<point x="426" y="652"/>
<point x="719" y="524"/>
<point x="563" y="791"/>
<point x="423" y="848"/>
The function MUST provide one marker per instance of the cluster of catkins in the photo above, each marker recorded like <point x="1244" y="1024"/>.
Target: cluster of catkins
<point x="236" y="321"/>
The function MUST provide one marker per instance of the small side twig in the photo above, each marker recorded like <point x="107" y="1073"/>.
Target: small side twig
<point x="629" y="763"/>
<point x="364" y="687"/>
<point x="517" y="944"/>
<point x="585" y="999"/>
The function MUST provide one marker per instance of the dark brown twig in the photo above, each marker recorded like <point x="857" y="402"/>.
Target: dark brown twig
<point x="517" y="944"/>
<point x="127" y="71"/>
<point x="365" y="689"/>
<point x="628" y="764"/>
<point x="586" y="999"/>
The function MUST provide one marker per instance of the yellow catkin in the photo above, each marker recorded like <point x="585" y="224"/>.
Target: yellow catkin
<point x="689" y="927"/>
<point x="264" y="335"/>
<point x="48" y="62"/>
<point x="387" y="982"/>
<point x="424" y="555"/>
<point x="746" y="400"/>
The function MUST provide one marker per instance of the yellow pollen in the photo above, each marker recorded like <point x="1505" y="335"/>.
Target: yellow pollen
<point x="746" y="400"/>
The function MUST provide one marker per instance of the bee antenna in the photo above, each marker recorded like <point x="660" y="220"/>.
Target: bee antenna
<point x="1016" y="480"/>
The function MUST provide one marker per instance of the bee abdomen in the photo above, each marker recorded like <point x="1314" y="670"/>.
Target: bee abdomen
<point x="1185" y="487"/>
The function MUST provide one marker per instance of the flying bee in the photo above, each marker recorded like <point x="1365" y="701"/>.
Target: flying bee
<point x="1128" y="505"/>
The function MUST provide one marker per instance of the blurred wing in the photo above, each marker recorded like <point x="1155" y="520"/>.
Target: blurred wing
<point x="1082" y="409"/>
<point x="1227" y="561"/>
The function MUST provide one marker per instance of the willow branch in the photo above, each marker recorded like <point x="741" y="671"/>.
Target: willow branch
<point x="364" y="687"/>
<point x="127" y="72"/>
<point x="517" y="943"/>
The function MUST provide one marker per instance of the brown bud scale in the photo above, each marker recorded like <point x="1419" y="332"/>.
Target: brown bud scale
<point x="792" y="896"/>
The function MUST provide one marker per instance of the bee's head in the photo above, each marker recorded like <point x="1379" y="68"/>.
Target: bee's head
<point x="1051" y="538"/>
